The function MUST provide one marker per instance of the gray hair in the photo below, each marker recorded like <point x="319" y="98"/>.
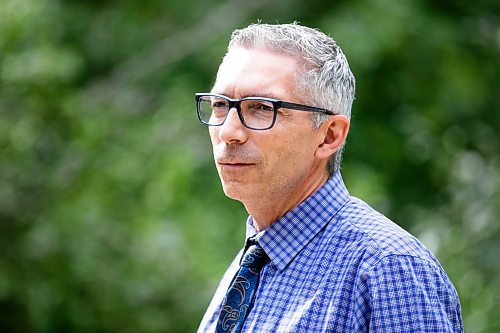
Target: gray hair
<point x="325" y="80"/>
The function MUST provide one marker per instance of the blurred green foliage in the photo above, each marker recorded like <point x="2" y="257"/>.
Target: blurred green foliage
<point x="112" y="218"/>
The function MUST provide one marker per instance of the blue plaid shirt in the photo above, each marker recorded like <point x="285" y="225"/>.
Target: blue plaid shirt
<point x="337" y="265"/>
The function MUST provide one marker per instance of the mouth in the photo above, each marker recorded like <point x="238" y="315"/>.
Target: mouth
<point x="234" y="165"/>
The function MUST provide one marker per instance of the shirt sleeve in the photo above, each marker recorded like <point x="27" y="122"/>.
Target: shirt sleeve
<point x="410" y="294"/>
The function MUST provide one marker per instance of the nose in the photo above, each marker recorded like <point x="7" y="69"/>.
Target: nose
<point x="233" y="131"/>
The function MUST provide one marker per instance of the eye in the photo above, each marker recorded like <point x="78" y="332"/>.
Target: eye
<point x="217" y="104"/>
<point x="258" y="106"/>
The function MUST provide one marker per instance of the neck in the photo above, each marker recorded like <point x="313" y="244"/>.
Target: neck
<point x="270" y="207"/>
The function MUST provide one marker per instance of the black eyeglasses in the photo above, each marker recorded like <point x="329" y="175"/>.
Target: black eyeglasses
<point x="257" y="113"/>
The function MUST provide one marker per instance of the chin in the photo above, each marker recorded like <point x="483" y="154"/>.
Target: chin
<point x="237" y="191"/>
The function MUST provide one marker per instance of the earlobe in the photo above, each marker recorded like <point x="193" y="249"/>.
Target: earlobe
<point x="333" y="133"/>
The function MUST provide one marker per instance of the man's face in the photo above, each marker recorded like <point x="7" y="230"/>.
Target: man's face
<point x="264" y="165"/>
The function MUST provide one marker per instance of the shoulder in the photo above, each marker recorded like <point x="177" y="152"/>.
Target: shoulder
<point x="375" y="243"/>
<point x="397" y="274"/>
<point x="377" y="235"/>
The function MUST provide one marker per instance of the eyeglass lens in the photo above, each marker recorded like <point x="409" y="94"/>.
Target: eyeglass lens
<point x="256" y="113"/>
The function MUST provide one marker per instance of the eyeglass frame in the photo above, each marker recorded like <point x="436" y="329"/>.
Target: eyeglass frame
<point x="277" y="104"/>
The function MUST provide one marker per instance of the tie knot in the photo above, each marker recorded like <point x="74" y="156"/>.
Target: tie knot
<point x="255" y="257"/>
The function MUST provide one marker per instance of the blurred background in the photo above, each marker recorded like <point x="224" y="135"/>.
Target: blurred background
<point x="112" y="217"/>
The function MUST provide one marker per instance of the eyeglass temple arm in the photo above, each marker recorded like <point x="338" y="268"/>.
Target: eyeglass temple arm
<point x="302" y="107"/>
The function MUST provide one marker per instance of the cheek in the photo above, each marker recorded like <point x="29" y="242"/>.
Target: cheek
<point x="283" y="152"/>
<point x="214" y="135"/>
<point x="293" y="152"/>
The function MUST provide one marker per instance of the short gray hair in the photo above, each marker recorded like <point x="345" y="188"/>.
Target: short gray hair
<point x="325" y="80"/>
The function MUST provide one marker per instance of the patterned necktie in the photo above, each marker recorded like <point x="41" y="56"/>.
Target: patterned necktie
<point x="241" y="291"/>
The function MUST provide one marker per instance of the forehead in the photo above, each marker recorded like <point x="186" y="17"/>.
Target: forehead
<point x="251" y="72"/>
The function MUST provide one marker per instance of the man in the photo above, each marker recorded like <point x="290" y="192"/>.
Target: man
<point x="315" y="258"/>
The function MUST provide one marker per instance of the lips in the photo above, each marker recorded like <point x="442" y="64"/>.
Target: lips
<point x="230" y="157"/>
<point x="234" y="163"/>
<point x="222" y="160"/>
<point x="229" y="164"/>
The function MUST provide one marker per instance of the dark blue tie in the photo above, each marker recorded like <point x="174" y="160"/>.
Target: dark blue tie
<point x="241" y="291"/>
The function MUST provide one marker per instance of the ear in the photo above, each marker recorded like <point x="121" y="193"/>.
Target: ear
<point x="332" y="135"/>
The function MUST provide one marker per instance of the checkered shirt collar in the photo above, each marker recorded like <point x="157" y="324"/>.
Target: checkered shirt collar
<point x="286" y="237"/>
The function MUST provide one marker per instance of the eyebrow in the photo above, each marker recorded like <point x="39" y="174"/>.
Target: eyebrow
<point x="258" y="94"/>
